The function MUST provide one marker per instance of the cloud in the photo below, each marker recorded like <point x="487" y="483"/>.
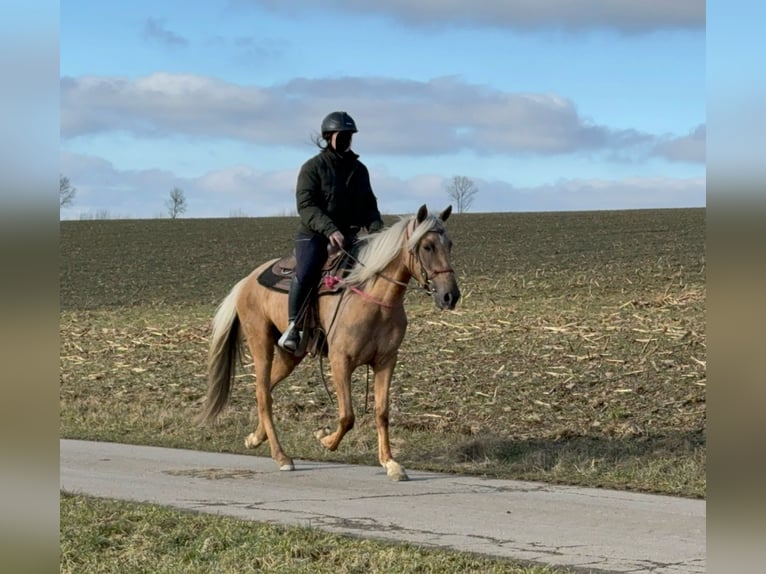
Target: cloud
<point x="625" y="16"/>
<point x="585" y="194"/>
<point x="595" y="194"/>
<point x="689" y="148"/>
<point x="155" y="30"/>
<point x="103" y="188"/>
<point x="396" y="117"/>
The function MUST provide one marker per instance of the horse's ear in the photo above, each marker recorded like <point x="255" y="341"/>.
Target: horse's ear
<point x="422" y="214"/>
<point x="444" y="215"/>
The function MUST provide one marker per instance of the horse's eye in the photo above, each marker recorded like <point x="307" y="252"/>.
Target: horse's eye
<point x="427" y="247"/>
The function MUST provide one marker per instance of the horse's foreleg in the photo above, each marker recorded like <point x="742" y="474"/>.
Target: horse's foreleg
<point x="383" y="375"/>
<point x="341" y="377"/>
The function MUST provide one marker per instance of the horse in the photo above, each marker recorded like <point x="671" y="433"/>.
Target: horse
<point x="364" y="324"/>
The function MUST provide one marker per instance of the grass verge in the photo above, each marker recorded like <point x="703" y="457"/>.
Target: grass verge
<point x="103" y="536"/>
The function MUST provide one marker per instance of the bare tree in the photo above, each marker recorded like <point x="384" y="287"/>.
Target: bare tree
<point x="177" y="203"/>
<point x="462" y="190"/>
<point x="66" y="192"/>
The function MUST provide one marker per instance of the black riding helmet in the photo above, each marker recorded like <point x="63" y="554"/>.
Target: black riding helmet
<point x="338" y="122"/>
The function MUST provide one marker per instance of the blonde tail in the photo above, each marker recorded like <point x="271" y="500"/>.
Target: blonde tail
<point x="225" y="350"/>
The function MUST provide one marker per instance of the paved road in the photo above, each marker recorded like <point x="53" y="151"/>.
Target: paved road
<point x="558" y="525"/>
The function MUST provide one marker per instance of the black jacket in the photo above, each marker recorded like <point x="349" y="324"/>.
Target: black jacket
<point x="334" y="194"/>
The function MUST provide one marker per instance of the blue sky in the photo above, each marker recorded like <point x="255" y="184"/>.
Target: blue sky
<point x="545" y="105"/>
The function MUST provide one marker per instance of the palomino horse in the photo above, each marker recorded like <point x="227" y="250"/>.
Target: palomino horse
<point x="364" y="325"/>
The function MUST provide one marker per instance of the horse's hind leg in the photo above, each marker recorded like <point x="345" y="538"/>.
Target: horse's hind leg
<point x="383" y="375"/>
<point x="282" y="365"/>
<point x="263" y="359"/>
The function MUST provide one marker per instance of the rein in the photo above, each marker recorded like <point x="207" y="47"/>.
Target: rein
<point x="426" y="279"/>
<point x="332" y="281"/>
<point x="389" y="279"/>
<point x="368" y="297"/>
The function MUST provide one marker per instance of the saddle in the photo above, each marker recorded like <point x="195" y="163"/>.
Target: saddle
<point x="278" y="277"/>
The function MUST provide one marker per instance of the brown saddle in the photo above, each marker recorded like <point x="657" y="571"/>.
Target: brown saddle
<point x="279" y="275"/>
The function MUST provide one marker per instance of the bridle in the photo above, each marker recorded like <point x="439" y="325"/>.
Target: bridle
<point x="425" y="280"/>
<point x="426" y="284"/>
<point x="415" y="261"/>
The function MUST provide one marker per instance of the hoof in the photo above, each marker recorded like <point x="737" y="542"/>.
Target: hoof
<point x="325" y="437"/>
<point x="395" y="471"/>
<point x="327" y="442"/>
<point x="287" y="467"/>
<point x="252" y="442"/>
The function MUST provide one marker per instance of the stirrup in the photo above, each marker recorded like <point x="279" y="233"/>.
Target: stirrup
<point x="290" y="339"/>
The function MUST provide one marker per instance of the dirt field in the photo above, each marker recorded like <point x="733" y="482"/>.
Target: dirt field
<point x="576" y="355"/>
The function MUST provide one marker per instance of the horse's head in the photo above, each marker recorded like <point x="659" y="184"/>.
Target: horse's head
<point x="429" y="257"/>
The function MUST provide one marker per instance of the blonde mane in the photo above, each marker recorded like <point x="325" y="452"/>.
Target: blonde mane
<point x="380" y="249"/>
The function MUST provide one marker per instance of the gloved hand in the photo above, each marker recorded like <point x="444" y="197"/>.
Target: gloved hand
<point x="336" y="239"/>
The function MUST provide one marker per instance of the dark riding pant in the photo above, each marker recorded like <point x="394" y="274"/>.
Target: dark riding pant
<point x="310" y="256"/>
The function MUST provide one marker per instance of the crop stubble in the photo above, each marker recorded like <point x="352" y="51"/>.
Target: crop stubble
<point x="576" y="355"/>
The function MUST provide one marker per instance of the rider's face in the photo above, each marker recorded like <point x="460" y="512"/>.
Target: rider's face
<point x="341" y="141"/>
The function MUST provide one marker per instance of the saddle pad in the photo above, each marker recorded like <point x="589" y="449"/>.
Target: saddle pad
<point x="279" y="275"/>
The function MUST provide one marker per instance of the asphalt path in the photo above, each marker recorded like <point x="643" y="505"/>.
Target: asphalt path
<point x="600" y="530"/>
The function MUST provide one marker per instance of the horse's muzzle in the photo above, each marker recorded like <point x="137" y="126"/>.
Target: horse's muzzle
<point x="448" y="298"/>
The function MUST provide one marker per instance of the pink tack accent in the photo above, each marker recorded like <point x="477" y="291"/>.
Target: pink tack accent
<point x="330" y="281"/>
<point x="364" y="295"/>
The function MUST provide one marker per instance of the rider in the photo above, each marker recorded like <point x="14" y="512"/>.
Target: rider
<point x="334" y="199"/>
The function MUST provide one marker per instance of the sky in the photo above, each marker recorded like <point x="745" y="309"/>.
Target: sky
<point x="546" y="105"/>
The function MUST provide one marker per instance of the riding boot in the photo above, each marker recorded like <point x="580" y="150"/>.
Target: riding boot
<point x="297" y="298"/>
